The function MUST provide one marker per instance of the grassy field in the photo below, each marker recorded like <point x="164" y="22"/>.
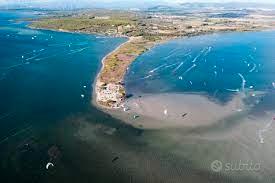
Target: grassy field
<point x="89" y="24"/>
<point x="115" y="65"/>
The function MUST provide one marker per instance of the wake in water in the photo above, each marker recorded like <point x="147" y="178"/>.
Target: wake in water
<point x="243" y="82"/>
<point x="15" y="134"/>
<point x="32" y="55"/>
<point x="59" y="45"/>
<point x="157" y="68"/>
<point x="232" y="90"/>
<point x="77" y="50"/>
<point x="208" y="51"/>
<point x="204" y="52"/>
<point x="253" y="69"/>
<point x="32" y="52"/>
<point x="12" y="66"/>
<point x="189" y="69"/>
<point x="35" y="56"/>
<point x="172" y="65"/>
<point x="196" y="58"/>
<point x="146" y="77"/>
<point x="177" y="68"/>
<point x="171" y="53"/>
<point x="43" y="58"/>
<point x="54" y="55"/>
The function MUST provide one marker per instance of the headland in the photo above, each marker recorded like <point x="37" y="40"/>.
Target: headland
<point x="144" y="29"/>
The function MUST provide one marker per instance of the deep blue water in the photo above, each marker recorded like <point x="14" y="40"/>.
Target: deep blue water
<point x="210" y="64"/>
<point x="43" y="73"/>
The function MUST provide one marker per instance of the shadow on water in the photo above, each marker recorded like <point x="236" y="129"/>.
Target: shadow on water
<point x="83" y="148"/>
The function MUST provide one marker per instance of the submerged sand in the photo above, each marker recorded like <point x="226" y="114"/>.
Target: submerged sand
<point x="177" y="110"/>
<point x="230" y="133"/>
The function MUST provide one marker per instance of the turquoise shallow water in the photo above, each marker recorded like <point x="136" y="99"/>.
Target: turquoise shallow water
<point x="211" y="64"/>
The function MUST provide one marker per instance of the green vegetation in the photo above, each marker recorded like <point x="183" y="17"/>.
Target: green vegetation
<point x="91" y="24"/>
<point x="116" y="64"/>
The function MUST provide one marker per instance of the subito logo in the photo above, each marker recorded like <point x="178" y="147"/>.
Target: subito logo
<point x="216" y="166"/>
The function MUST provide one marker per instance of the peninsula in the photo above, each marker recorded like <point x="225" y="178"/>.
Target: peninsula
<point x="144" y="29"/>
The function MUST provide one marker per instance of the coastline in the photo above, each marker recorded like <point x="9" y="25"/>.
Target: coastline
<point x="75" y="32"/>
<point x="146" y="120"/>
<point x="95" y="83"/>
<point x="113" y="90"/>
<point x="148" y="114"/>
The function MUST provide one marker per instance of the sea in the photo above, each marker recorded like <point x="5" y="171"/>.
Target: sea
<point x="215" y="64"/>
<point x="51" y="132"/>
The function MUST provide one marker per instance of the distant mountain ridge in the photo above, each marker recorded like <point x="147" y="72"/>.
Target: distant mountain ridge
<point x="154" y="5"/>
<point x="229" y="5"/>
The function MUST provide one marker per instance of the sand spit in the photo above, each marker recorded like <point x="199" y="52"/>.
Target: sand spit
<point x="175" y="110"/>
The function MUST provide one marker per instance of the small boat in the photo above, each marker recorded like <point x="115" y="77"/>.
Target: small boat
<point x="82" y="96"/>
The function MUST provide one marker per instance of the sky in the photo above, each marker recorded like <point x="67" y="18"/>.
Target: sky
<point x="130" y="1"/>
<point x="113" y="3"/>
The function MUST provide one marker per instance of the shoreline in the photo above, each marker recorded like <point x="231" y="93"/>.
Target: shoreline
<point x="75" y="32"/>
<point x="96" y="80"/>
<point x="114" y="90"/>
<point x="179" y="110"/>
<point x="146" y="121"/>
<point x="121" y="104"/>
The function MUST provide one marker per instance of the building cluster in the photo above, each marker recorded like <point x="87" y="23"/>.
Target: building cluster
<point x="110" y="94"/>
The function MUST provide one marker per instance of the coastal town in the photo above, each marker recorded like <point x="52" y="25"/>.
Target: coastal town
<point x="145" y="29"/>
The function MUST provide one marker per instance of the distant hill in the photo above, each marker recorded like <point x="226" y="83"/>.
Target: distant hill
<point x="232" y="5"/>
<point x="152" y="5"/>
